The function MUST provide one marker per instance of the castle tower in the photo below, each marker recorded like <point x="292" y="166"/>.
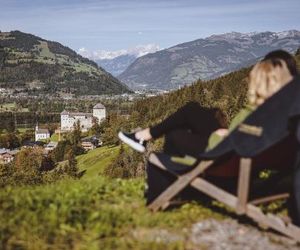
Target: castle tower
<point x="99" y="112"/>
<point x="64" y="120"/>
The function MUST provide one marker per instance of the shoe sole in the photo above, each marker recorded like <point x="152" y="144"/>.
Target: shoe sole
<point x="138" y="147"/>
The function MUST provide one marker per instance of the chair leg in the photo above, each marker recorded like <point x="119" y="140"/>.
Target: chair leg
<point x="243" y="185"/>
<point x="221" y="195"/>
<point x="252" y="211"/>
<point x="177" y="186"/>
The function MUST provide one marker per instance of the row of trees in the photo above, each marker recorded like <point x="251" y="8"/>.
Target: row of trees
<point x="14" y="140"/>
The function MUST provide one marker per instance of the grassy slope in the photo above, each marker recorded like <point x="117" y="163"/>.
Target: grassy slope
<point x="54" y="137"/>
<point x="11" y="107"/>
<point x="91" y="213"/>
<point x="96" y="160"/>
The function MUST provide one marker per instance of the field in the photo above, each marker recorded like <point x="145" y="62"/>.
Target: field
<point x="54" y="137"/>
<point x="95" y="160"/>
<point x="23" y="130"/>
<point x="95" y="212"/>
<point x="11" y="107"/>
<point x="19" y="130"/>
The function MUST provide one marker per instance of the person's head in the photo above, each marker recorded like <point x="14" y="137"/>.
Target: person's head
<point x="286" y="57"/>
<point x="266" y="78"/>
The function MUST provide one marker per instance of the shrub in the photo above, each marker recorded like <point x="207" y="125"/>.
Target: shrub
<point x="127" y="164"/>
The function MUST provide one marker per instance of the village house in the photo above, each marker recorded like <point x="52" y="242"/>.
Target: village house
<point x="50" y="146"/>
<point x="89" y="143"/>
<point x="33" y="144"/>
<point x="7" y="156"/>
<point x="86" y="120"/>
<point x="41" y="134"/>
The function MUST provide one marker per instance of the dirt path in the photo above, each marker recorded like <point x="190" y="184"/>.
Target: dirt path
<point x="220" y="235"/>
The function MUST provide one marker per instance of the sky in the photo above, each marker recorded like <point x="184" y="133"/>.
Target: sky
<point x="114" y="25"/>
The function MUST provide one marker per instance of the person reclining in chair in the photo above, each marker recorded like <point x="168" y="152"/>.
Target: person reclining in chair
<point x="266" y="78"/>
<point x="190" y="129"/>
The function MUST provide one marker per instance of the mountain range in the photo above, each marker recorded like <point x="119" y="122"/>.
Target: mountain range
<point x="32" y="64"/>
<point x="117" y="61"/>
<point x="117" y="65"/>
<point x="205" y="58"/>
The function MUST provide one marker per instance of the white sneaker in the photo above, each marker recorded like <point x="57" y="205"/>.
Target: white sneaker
<point x="129" y="139"/>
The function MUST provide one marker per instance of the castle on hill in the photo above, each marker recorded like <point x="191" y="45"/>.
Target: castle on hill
<point x="68" y="119"/>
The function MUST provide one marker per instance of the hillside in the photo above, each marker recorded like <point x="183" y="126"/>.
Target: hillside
<point x="29" y="63"/>
<point x="97" y="212"/>
<point x="205" y="58"/>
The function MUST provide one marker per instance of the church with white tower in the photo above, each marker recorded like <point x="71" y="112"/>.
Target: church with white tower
<point x="86" y="120"/>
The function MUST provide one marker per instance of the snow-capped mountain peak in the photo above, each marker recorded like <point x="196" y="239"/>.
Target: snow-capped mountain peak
<point x="137" y="51"/>
<point x="117" y="61"/>
<point x="236" y="35"/>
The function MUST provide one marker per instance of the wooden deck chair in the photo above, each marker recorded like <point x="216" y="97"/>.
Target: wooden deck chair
<point x="264" y="139"/>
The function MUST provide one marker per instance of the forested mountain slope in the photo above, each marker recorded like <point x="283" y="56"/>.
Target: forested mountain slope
<point x="30" y="63"/>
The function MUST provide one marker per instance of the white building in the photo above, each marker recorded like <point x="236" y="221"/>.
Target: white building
<point x="50" y="146"/>
<point x="68" y="119"/>
<point x="41" y="134"/>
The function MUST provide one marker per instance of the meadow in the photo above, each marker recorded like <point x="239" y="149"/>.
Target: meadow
<point x="12" y="107"/>
<point x="94" y="212"/>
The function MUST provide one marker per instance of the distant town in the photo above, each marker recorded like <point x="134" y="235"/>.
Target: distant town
<point x="24" y="93"/>
<point x="48" y="140"/>
<point x="68" y="121"/>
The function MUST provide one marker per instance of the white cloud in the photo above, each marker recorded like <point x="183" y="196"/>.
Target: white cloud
<point x="139" y="50"/>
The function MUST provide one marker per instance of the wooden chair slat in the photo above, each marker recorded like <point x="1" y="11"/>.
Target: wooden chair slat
<point x="270" y="198"/>
<point x="243" y="185"/>
<point x="178" y="185"/>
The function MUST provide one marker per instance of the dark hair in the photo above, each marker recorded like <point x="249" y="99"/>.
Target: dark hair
<point x="285" y="56"/>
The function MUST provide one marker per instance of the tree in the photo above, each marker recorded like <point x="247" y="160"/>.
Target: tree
<point x="6" y="172"/>
<point x="27" y="166"/>
<point x="9" y="140"/>
<point x="111" y="126"/>
<point x="127" y="164"/>
<point x="76" y="134"/>
<point x="75" y="139"/>
<point x="58" y="154"/>
<point x="72" y="169"/>
<point x="96" y="129"/>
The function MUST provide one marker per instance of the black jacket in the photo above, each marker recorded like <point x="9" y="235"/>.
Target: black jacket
<point x="268" y="124"/>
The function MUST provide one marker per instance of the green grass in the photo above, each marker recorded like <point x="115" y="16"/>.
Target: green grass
<point x="23" y="130"/>
<point x="45" y="50"/>
<point x="11" y="107"/>
<point x="54" y="137"/>
<point x="7" y="106"/>
<point x="96" y="160"/>
<point x="94" y="212"/>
